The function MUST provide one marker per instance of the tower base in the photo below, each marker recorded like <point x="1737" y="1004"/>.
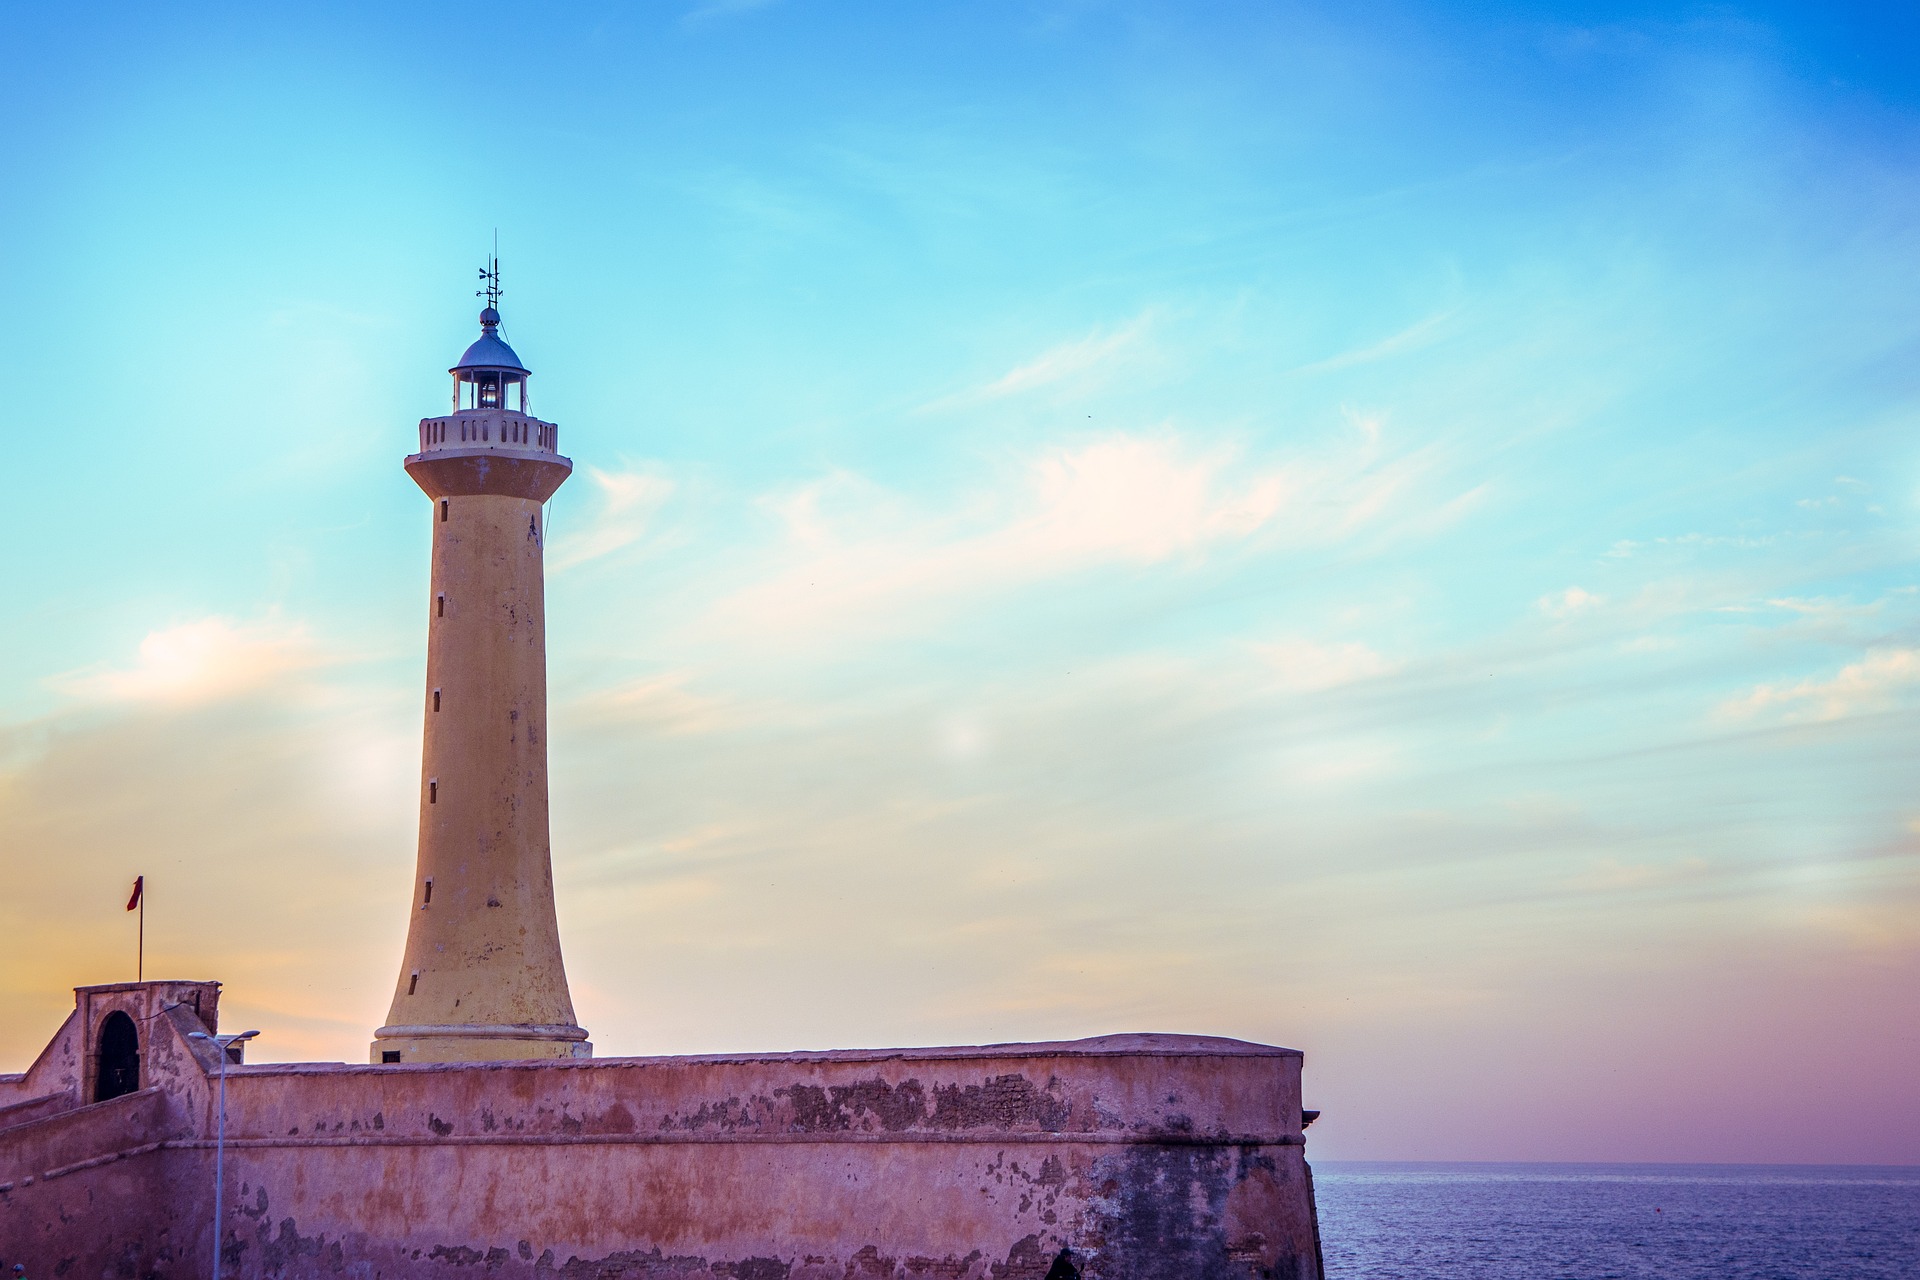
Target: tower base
<point x="476" y="1044"/>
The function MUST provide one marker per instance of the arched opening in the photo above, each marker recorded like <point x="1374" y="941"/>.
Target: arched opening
<point x="119" y="1057"/>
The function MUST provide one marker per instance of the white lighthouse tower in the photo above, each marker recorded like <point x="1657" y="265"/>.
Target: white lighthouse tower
<point x="482" y="976"/>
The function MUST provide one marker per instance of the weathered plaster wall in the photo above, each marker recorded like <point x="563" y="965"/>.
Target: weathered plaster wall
<point x="104" y="1188"/>
<point x="1147" y="1157"/>
<point x="93" y="1189"/>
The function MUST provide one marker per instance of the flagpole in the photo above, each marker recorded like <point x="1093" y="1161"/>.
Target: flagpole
<point x="138" y="902"/>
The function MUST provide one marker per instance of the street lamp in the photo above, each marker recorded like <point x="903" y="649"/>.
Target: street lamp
<point x="221" y="1044"/>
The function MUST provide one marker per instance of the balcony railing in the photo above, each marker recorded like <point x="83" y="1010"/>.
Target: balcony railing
<point x="489" y="429"/>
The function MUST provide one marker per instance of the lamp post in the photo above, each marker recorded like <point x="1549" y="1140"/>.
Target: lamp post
<point x="221" y="1044"/>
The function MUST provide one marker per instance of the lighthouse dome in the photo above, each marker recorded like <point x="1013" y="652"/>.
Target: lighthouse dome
<point x="488" y="352"/>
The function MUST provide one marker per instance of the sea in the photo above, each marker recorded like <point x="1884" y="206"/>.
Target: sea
<point x="1618" y="1221"/>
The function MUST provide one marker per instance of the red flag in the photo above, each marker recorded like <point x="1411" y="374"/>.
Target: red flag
<point x="139" y="883"/>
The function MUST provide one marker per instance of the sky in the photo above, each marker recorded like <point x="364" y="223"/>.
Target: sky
<point x="1384" y="529"/>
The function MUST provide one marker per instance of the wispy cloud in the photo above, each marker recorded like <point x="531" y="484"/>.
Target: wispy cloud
<point x="1078" y="359"/>
<point x="1822" y="607"/>
<point x="1611" y="875"/>
<point x="1305" y="665"/>
<point x="1119" y="500"/>
<point x="661" y="704"/>
<point x="628" y="501"/>
<point x="201" y="661"/>
<point x="1420" y="334"/>
<point x="1567" y="603"/>
<point x="1140" y="499"/>
<point x="1878" y="682"/>
<point x="856" y="555"/>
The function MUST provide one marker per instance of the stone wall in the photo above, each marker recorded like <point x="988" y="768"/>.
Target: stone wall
<point x="1143" y="1157"/>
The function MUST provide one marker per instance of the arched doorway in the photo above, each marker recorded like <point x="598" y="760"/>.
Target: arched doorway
<point x="119" y="1057"/>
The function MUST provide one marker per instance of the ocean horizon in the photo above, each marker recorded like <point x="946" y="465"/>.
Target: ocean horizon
<point x="1455" y="1220"/>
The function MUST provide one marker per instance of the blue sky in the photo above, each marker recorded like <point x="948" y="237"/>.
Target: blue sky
<point x="1378" y="528"/>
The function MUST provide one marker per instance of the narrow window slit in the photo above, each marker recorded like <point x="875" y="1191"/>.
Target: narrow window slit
<point x="428" y="896"/>
<point x="436" y="699"/>
<point x="440" y="605"/>
<point x="413" y="982"/>
<point x="443" y="511"/>
<point x="433" y="791"/>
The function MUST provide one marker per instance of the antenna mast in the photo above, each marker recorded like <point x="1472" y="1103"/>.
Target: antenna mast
<point x="490" y="277"/>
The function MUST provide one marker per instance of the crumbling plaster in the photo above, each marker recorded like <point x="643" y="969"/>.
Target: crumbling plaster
<point x="1143" y="1156"/>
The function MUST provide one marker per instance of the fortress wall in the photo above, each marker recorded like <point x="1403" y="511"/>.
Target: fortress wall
<point x="55" y="1071"/>
<point x="1149" y="1157"/>
<point x="1112" y="1085"/>
<point x="115" y="1189"/>
<point x="99" y="1191"/>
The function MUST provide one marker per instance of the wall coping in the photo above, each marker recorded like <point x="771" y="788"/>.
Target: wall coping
<point x="1125" y="1045"/>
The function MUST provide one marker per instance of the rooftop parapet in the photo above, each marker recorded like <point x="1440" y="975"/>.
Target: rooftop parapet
<point x="498" y="430"/>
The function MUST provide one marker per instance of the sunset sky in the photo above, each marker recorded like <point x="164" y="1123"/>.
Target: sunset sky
<point x="1385" y="529"/>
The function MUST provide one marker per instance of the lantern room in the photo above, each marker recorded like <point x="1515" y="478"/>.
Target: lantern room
<point x="490" y="375"/>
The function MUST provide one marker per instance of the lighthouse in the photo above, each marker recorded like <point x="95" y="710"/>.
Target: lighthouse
<point x="482" y="978"/>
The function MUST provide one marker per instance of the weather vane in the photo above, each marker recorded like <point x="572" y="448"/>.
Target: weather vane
<point x="491" y="274"/>
<point x="491" y="292"/>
